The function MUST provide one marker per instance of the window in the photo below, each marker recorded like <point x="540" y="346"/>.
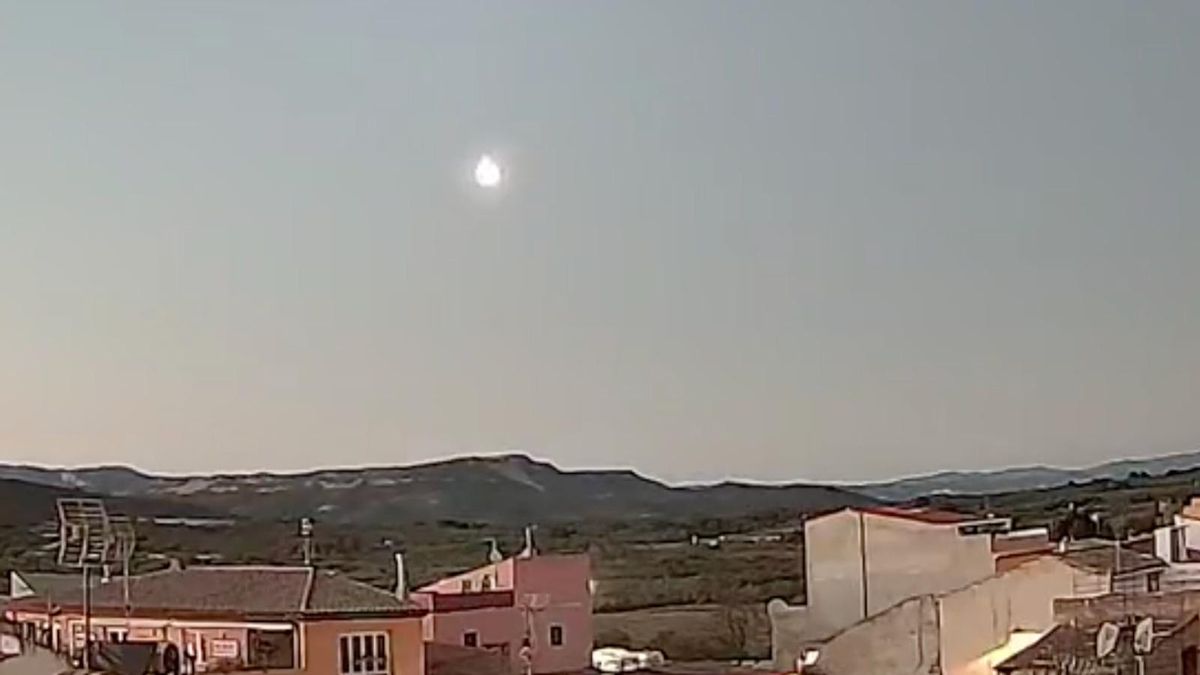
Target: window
<point x="466" y="585"/>
<point x="270" y="650"/>
<point x="486" y="583"/>
<point x="1152" y="583"/>
<point x="470" y="639"/>
<point x="117" y="634"/>
<point x="556" y="635"/>
<point x="363" y="653"/>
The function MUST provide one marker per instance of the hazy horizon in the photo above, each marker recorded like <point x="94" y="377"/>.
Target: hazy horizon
<point x="773" y="241"/>
<point x="540" y="459"/>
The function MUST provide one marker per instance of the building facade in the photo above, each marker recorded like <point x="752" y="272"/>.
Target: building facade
<point x="535" y="609"/>
<point x="895" y="590"/>
<point x="1071" y="645"/>
<point x="1178" y="544"/>
<point x="229" y="618"/>
<point x="859" y="562"/>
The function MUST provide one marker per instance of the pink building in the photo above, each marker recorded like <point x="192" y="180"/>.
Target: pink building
<point x="535" y="609"/>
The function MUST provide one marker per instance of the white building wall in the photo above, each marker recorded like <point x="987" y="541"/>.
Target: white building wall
<point x="894" y="558"/>
<point x="981" y="617"/>
<point x="907" y="558"/>
<point x="833" y="579"/>
<point x="1180" y="575"/>
<point x="900" y="641"/>
<point x="858" y="564"/>
<point x="953" y="631"/>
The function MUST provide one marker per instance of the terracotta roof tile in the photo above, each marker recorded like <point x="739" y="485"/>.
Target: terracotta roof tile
<point x="247" y="590"/>
<point x="241" y="590"/>
<point x="931" y="516"/>
<point x="335" y="593"/>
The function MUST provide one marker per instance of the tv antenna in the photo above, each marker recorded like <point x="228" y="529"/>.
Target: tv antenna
<point x="85" y="540"/>
<point x="306" y="540"/>
<point x="126" y="541"/>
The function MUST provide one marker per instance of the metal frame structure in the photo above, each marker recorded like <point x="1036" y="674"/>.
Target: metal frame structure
<point x="125" y="541"/>
<point x="88" y="537"/>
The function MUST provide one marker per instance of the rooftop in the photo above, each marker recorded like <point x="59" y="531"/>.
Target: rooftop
<point x="54" y="586"/>
<point x="931" y="516"/>
<point x="248" y="591"/>
<point x="1066" y="642"/>
<point x="1099" y="555"/>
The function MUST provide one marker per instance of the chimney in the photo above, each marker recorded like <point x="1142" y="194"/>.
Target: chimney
<point x="401" y="578"/>
<point x="529" y="551"/>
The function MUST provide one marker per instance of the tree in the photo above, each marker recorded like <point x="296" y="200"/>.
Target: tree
<point x="735" y="619"/>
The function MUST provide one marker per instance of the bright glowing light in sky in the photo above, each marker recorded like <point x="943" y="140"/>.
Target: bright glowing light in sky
<point x="487" y="172"/>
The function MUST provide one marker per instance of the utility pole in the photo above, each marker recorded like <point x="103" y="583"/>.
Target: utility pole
<point x="862" y="558"/>
<point x="306" y="539"/>
<point x="87" y="619"/>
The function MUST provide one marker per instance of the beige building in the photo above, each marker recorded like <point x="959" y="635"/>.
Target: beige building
<point x="859" y="562"/>
<point x="960" y="632"/>
<point x="228" y="618"/>
<point x="895" y="590"/>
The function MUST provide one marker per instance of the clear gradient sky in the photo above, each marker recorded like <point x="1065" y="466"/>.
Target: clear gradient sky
<point x="773" y="240"/>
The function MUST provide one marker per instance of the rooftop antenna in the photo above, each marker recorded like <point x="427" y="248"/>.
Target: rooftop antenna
<point x="126" y="542"/>
<point x="306" y="540"/>
<point x="529" y="551"/>
<point x="85" y="540"/>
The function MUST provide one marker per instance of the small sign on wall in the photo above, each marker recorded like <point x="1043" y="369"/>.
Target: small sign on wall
<point x="145" y="634"/>
<point x="223" y="649"/>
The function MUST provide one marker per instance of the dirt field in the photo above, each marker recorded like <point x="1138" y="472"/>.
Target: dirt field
<point x="690" y="632"/>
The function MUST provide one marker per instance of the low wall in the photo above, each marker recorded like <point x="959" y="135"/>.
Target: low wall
<point x="1096" y="610"/>
<point x="902" y="640"/>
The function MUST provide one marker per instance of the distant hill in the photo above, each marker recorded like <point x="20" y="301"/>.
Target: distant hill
<point x="508" y="490"/>
<point x="514" y="489"/>
<point x="1023" y="478"/>
<point x="23" y="503"/>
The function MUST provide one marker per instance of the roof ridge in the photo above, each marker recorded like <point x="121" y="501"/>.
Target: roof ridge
<point x="306" y="595"/>
<point x="249" y="568"/>
<point x="334" y="574"/>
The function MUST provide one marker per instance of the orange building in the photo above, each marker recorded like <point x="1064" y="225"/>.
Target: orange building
<point x="295" y="619"/>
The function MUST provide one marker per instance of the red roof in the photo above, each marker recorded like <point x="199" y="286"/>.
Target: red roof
<point x="930" y="516"/>
<point x="259" y="591"/>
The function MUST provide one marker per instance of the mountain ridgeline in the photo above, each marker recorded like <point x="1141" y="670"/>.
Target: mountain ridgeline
<point x="509" y="490"/>
<point x="1023" y="478"/>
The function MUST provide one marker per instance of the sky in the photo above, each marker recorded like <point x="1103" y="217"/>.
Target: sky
<point x="767" y="240"/>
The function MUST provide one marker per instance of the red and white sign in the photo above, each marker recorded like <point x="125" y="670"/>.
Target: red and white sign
<point x="223" y="649"/>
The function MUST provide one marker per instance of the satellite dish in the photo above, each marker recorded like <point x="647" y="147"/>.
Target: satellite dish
<point x="1143" y="636"/>
<point x="1106" y="640"/>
